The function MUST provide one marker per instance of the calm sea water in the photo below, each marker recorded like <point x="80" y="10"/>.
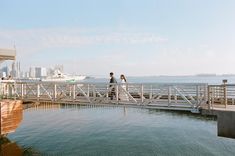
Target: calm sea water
<point x="172" y="79"/>
<point x="73" y="130"/>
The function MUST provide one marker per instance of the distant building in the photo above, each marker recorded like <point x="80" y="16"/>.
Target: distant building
<point x="18" y="71"/>
<point x="13" y="70"/>
<point x="40" y="72"/>
<point x="32" y="73"/>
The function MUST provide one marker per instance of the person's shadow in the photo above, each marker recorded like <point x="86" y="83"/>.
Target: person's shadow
<point x="9" y="148"/>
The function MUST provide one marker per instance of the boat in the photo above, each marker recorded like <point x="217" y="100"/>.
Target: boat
<point x="61" y="77"/>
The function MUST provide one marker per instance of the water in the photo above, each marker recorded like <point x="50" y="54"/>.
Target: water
<point x="85" y="130"/>
<point x="171" y="79"/>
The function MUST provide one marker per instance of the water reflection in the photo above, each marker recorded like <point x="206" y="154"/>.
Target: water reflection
<point x="9" y="148"/>
<point x="68" y="129"/>
<point x="51" y="106"/>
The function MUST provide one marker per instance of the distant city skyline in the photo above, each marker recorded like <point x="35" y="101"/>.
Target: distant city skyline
<point x="137" y="38"/>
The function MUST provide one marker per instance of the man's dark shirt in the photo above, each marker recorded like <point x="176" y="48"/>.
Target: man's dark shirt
<point x="113" y="80"/>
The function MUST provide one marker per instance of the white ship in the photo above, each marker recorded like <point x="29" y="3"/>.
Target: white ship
<point x="58" y="76"/>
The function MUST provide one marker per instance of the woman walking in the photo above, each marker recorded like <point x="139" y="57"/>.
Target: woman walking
<point x="122" y="93"/>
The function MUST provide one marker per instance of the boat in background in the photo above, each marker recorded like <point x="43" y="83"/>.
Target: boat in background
<point x="61" y="77"/>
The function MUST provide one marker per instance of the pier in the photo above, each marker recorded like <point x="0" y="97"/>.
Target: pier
<point x="163" y="96"/>
<point x="217" y="100"/>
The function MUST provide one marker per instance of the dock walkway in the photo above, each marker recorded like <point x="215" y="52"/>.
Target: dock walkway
<point x="185" y="96"/>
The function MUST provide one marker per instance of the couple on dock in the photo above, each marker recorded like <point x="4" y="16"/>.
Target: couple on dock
<point x="122" y="93"/>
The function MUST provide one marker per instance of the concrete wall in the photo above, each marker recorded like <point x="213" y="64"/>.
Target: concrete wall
<point x="226" y="123"/>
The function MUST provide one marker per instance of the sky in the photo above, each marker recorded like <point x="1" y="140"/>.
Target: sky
<point x="131" y="37"/>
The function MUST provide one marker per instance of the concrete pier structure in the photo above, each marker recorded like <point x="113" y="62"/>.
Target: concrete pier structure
<point x="226" y="123"/>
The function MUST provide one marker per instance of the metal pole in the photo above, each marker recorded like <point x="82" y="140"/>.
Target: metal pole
<point x="38" y="92"/>
<point x="197" y="95"/>
<point x="225" y="93"/>
<point x="88" y="90"/>
<point x="117" y="96"/>
<point x="142" y="93"/>
<point x="74" y="92"/>
<point x="169" y="96"/>
<point x="22" y="91"/>
<point x="209" y="97"/>
<point x="55" y="92"/>
<point x="151" y="92"/>
<point x="107" y="94"/>
<point x="94" y="94"/>
<point x="70" y="91"/>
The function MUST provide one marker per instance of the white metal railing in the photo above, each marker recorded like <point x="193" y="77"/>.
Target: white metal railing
<point x="221" y="95"/>
<point x="185" y="96"/>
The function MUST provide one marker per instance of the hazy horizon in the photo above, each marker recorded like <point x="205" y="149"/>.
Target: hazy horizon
<point x="137" y="38"/>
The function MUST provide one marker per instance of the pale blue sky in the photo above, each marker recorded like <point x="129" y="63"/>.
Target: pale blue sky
<point x="134" y="37"/>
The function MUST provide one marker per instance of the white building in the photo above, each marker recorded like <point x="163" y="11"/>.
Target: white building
<point x="32" y="72"/>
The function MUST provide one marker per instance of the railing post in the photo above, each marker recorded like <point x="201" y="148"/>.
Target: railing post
<point x="74" y="92"/>
<point x="7" y="90"/>
<point x="142" y="93"/>
<point x="38" y="92"/>
<point x="70" y="91"/>
<point x="225" y="92"/>
<point x="151" y="92"/>
<point x="169" y="96"/>
<point x="107" y="94"/>
<point x="94" y="93"/>
<point x="209" y="97"/>
<point x="55" y="92"/>
<point x="117" y="92"/>
<point x="88" y="90"/>
<point x="197" y="95"/>
<point x="22" y="91"/>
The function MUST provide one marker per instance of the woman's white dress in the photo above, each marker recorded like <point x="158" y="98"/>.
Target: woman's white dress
<point x="122" y="94"/>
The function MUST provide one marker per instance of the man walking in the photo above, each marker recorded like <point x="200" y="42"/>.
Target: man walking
<point x="112" y="85"/>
